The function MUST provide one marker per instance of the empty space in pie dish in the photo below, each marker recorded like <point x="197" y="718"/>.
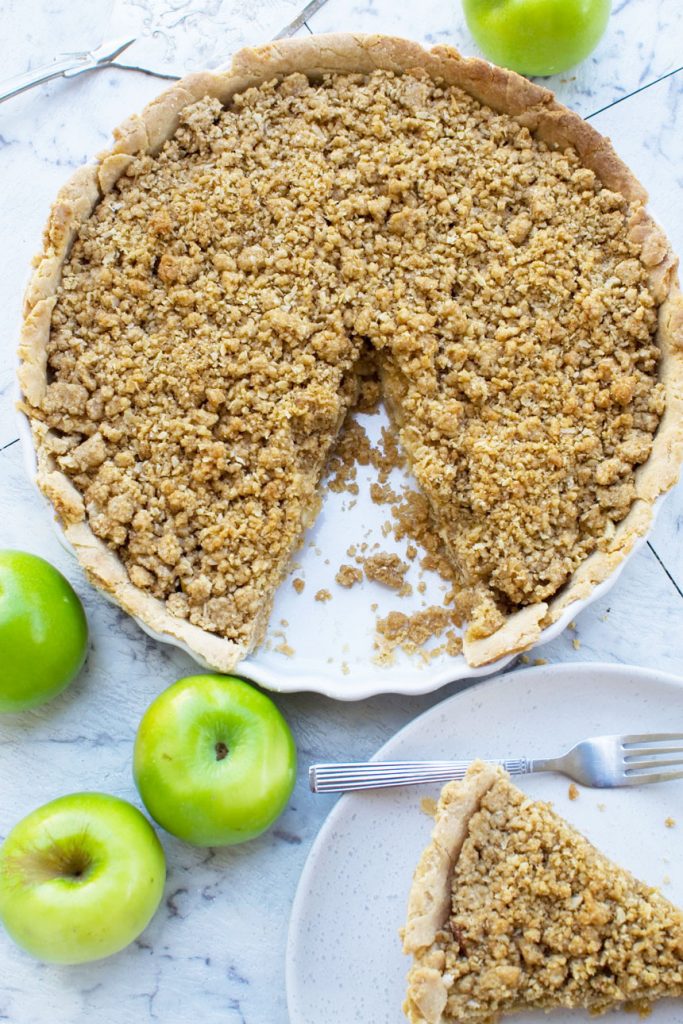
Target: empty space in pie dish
<point x="333" y="644"/>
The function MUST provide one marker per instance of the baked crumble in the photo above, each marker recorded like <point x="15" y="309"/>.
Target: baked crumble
<point x="348" y="575"/>
<point x="411" y="633"/>
<point x="577" y="931"/>
<point x="537" y="918"/>
<point x="228" y="301"/>
<point x="386" y="568"/>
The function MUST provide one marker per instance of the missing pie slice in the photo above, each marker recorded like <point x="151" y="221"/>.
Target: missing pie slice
<point x="512" y="909"/>
<point x="209" y="290"/>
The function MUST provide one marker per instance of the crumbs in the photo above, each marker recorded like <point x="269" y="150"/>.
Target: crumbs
<point x="670" y="822"/>
<point x="351" y="450"/>
<point x="414" y="520"/>
<point x="576" y="643"/>
<point x="387" y="456"/>
<point x="323" y="595"/>
<point x="383" y="494"/>
<point x="410" y="633"/>
<point x="298" y="585"/>
<point x="573" y="792"/>
<point x="428" y="806"/>
<point x="411" y="520"/>
<point x="387" y="569"/>
<point x="382" y="567"/>
<point x="348" y="575"/>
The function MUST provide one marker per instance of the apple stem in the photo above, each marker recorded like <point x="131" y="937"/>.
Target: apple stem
<point x="221" y="750"/>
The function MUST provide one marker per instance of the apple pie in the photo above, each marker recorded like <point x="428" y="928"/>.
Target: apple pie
<point x="209" y="291"/>
<point x="512" y="909"/>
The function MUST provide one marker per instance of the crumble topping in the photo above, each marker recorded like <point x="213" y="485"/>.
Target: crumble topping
<point x="348" y="575"/>
<point x="229" y="301"/>
<point x="386" y="568"/>
<point x="541" y="919"/>
<point x="351" y="450"/>
<point x="415" y="519"/>
<point x="411" y="633"/>
<point x="382" y="494"/>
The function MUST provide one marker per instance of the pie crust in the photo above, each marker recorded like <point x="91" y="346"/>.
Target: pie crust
<point x="481" y="930"/>
<point x="533" y="107"/>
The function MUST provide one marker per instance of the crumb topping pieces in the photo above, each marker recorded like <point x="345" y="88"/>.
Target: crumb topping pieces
<point x="541" y="919"/>
<point x="218" y="313"/>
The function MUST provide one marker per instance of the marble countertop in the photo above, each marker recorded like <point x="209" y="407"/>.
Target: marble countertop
<point x="216" y="948"/>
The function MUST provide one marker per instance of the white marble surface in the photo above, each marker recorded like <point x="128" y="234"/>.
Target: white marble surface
<point x="216" y="948"/>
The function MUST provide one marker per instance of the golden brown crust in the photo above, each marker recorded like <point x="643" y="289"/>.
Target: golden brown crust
<point x="428" y="902"/>
<point x="430" y="894"/>
<point x="535" y="108"/>
<point x="106" y="570"/>
<point x="520" y="631"/>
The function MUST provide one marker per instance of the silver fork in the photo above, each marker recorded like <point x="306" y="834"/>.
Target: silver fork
<point x="67" y="65"/>
<point x="603" y="762"/>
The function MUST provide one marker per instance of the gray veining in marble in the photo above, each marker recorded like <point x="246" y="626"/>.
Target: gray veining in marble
<point x="216" y="949"/>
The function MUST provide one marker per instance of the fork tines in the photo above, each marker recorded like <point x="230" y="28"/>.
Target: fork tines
<point x="650" y="752"/>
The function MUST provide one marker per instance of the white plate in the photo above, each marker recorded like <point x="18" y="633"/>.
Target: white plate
<point x="344" y="959"/>
<point x="333" y="641"/>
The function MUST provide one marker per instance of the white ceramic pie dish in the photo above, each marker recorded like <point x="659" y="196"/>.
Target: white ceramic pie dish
<point x="330" y="648"/>
<point x="333" y="640"/>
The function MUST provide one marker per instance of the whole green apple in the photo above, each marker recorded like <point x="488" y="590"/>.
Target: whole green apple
<point x="43" y="631"/>
<point x="80" y="878"/>
<point x="214" y="762"/>
<point x="537" y="37"/>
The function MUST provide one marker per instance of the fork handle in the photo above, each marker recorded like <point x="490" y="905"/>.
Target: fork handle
<point x="347" y="777"/>
<point x="37" y="76"/>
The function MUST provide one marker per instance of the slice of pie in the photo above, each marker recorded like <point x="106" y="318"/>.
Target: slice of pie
<point x="512" y="909"/>
<point x="209" y="291"/>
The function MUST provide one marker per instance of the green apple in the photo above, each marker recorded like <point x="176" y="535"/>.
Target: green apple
<point x="537" y="37"/>
<point x="43" y="631"/>
<point x="80" y="878"/>
<point x="215" y="762"/>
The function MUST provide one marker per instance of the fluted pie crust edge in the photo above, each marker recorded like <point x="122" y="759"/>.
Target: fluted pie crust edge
<point x="506" y="92"/>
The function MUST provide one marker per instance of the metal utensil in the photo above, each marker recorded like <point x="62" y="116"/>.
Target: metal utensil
<point x="603" y="762"/>
<point x="309" y="10"/>
<point x="67" y="65"/>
